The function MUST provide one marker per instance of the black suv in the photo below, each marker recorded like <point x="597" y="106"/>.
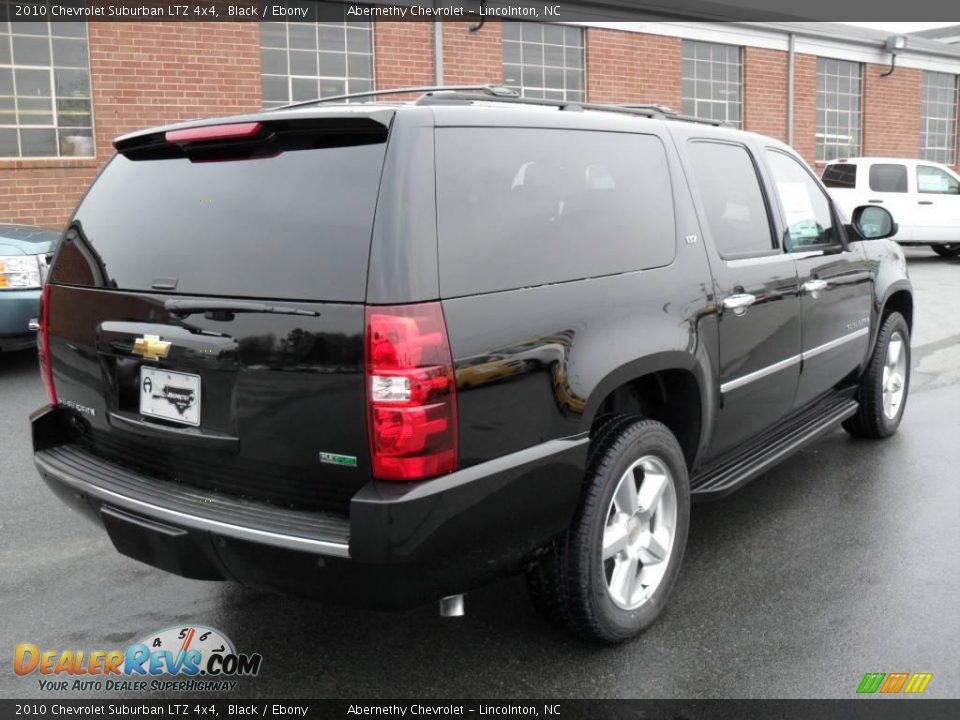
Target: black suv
<point x="384" y="353"/>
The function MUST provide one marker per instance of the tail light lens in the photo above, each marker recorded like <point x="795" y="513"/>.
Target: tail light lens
<point x="411" y="392"/>
<point x="43" y="345"/>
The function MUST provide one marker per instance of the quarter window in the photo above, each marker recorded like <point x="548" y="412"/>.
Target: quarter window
<point x="806" y="209"/>
<point x="544" y="61"/>
<point x="713" y="81"/>
<point x="840" y="175"/>
<point x="839" y="104"/>
<point x="733" y="202"/>
<point x="935" y="181"/>
<point x="524" y="207"/>
<point x="888" y="177"/>
<point x="303" y="61"/>
<point x="938" y="118"/>
<point x="46" y="108"/>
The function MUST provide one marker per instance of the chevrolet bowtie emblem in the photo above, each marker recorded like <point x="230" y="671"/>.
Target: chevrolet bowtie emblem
<point x="151" y="347"/>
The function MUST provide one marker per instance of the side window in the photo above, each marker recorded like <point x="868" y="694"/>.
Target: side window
<point x="887" y="177"/>
<point x="806" y="208"/>
<point x="729" y="188"/>
<point x="840" y="175"/>
<point x="519" y="207"/>
<point x="935" y="181"/>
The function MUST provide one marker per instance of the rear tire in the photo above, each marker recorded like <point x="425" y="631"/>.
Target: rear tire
<point x="948" y="251"/>
<point x="884" y="387"/>
<point x="642" y="531"/>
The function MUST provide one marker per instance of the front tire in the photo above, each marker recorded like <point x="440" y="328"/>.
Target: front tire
<point x="883" y="389"/>
<point x="611" y="574"/>
<point x="948" y="251"/>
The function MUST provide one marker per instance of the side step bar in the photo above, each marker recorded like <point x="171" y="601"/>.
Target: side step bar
<point x="731" y="473"/>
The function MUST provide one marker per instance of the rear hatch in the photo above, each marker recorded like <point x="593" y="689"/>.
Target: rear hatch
<point x="206" y="313"/>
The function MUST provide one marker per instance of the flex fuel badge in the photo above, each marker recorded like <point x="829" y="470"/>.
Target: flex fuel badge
<point x="335" y="459"/>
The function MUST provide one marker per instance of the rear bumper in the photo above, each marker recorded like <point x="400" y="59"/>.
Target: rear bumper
<point x="402" y="545"/>
<point x="19" y="310"/>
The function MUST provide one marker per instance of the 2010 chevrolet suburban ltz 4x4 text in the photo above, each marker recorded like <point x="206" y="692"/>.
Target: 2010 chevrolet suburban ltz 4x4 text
<point x="384" y="353"/>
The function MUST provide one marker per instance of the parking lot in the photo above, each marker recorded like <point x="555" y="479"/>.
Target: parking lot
<point x="845" y="560"/>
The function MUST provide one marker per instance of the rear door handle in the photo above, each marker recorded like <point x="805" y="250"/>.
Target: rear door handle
<point x="925" y="202"/>
<point x="876" y="202"/>
<point x="739" y="303"/>
<point x="814" y="287"/>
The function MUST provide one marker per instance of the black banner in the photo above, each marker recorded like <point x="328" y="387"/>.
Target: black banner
<point x="864" y="709"/>
<point x="469" y="10"/>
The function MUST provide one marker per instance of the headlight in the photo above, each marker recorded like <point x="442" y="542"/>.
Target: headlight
<point x="19" y="272"/>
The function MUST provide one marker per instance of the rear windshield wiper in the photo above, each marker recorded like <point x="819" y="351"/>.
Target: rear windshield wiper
<point x="225" y="309"/>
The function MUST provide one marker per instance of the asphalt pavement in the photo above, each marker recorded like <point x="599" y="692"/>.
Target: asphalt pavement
<point x="843" y="560"/>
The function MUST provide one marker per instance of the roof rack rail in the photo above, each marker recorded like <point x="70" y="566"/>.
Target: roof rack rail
<point x="490" y="90"/>
<point x="442" y="96"/>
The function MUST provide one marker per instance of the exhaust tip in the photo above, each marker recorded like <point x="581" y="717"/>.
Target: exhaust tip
<point x="452" y="606"/>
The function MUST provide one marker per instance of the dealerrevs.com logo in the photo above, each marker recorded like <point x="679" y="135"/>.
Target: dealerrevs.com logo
<point x="194" y="658"/>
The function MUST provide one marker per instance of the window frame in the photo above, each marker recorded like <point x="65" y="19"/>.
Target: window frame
<point x="541" y="91"/>
<point x="839" y="243"/>
<point x="951" y="135"/>
<point x="318" y="78"/>
<point x="49" y="35"/>
<point x="776" y="248"/>
<point x="821" y="145"/>
<point x="695" y="99"/>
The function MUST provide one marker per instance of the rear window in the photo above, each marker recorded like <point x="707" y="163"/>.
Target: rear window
<point x="523" y="207"/>
<point x="840" y="175"/>
<point x="888" y="177"/>
<point x="293" y="226"/>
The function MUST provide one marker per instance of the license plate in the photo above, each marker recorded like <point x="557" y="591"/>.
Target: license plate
<point x="173" y="396"/>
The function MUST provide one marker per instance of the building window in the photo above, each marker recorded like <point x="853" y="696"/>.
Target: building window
<point x="544" y="61"/>
<point x="304" y="61"/>
<point x="839" y="109"/>
<point x="713" y="81"/>
<point x="45" y="104"/>
<point x="938" y="118"/>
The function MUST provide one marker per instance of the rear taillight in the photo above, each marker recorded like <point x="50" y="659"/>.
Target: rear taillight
<point x="43" y="345"/>
<point x="411" y="392"/>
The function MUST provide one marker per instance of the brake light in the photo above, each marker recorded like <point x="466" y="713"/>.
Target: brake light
<point x="235" y="131"/>
<point x="411" y="392"/>
<point x="43" y="345"/>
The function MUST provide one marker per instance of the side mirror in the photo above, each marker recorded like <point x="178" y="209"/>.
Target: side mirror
<point x="872" y="222"/>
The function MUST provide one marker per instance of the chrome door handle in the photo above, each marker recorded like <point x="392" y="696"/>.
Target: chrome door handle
<point x="739" y="302"/>
<point x="815" y="286"/>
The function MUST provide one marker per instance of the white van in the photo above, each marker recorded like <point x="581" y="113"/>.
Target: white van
<point x="922" y="196"/>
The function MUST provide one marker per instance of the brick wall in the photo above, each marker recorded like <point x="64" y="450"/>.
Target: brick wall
<point x="891" y="111"/>
<point x="403" y="54"/>
<point x="470" y="58"/>
<point x="765" y="111"/>
<point x="630" y="67"/>
<point x="804" y="105"/>
<point x="142" y="74"/>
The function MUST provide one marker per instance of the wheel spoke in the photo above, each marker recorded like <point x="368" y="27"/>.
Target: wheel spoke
<point x="651" y="490"/>
<point x="615" y="539"/>
<point x="624" y="578"/>
<point x="893" y="352"/>
<point x="653" y="549"/>
<point x="626" y="497"/>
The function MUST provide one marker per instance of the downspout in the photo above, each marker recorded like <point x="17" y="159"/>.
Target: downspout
<point x="791" y="58"/>
<point x="438" y="53"/>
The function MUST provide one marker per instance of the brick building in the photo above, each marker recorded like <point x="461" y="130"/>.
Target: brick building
<point x="68" y="89"/>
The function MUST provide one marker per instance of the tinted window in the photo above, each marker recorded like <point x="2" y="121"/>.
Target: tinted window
<point x="523" y="207"/>
<point x="294" y="226"/>
<point x="730" y="191"/>
<point x="936" y="181"/>
<point x="840" y="175"/>
<point x="888" y="178"/>
<point x="806" y="209"/>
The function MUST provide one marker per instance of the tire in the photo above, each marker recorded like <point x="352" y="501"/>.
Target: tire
<point x="948" y="251"/>
<point x="573" y="585"/>
<point x="882" y="397"/>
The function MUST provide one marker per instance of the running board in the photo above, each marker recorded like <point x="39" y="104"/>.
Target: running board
<point x="731" y="473"/>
